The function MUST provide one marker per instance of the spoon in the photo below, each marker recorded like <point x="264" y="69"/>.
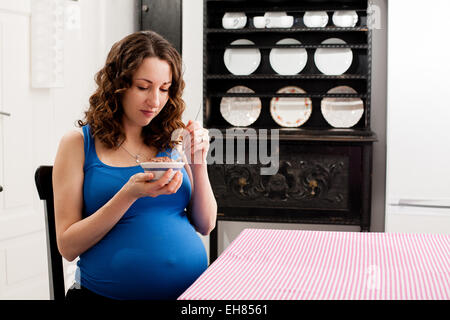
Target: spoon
<point x="179" y="140"/>
<point x="198" y="113"/>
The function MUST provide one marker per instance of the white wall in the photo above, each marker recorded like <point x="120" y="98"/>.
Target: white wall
<point x="102" y="23"/>
<point x="418" y="113"/>
<point x="56" y="110"/>
<point x="192" y="48"/>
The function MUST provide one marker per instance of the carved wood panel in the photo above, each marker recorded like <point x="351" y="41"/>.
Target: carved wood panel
<point x="311" y="181"/>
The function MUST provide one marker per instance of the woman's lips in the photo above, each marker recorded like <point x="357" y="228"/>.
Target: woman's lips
<point x="148" y="114"/>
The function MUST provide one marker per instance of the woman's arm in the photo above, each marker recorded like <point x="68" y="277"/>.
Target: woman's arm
<point x="74" y="234"/>
<point x="203" y="202"/>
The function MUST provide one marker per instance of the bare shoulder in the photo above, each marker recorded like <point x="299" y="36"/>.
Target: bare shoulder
<point x="72" y="138"/>
<point x="74" y="134"/>
<point x="71" y="147"/>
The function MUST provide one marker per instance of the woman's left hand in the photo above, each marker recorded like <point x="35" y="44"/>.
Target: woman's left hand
<point x="196" y="143"/>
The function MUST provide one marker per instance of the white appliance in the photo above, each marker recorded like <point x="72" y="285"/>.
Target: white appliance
<point x="418" y="116"/>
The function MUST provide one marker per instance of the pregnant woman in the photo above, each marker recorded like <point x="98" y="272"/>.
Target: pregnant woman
<point x="134" y="237"/>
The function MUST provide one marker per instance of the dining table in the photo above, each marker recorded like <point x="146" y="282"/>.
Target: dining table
<point x="272" y="264"/>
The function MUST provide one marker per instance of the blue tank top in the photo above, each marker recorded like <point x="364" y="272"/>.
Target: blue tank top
<point x="153" y="252"/>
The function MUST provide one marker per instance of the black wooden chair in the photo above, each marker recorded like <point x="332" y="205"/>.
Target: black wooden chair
<point x="43" y="179"/>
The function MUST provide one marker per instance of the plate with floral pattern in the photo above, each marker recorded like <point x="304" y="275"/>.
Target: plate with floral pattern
<point x="290" y="112"/>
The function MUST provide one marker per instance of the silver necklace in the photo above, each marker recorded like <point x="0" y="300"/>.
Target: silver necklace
<point x="135" y="156"/>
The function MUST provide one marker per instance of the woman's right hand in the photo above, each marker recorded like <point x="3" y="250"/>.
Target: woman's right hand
<point x="139" y="185"/>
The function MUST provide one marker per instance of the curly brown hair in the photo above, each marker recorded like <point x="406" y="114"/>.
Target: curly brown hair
<point x="105" y="112"/>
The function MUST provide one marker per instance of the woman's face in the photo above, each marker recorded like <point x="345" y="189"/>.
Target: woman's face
<point x="148" y="93"/>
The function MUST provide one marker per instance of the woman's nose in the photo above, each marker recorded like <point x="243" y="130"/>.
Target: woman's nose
<point x="153" y="98"/>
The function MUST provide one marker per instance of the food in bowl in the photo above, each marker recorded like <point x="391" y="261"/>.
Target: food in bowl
<point x="159" y="165"/>
<point x="161" y="159"/>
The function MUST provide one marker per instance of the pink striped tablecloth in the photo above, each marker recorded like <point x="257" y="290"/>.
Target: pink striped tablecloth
<point x="265" y="264"/>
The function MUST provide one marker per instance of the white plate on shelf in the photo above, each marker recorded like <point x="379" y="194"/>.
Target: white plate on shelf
<point x="290" y="112"/>
<point x="333" y="61"/>
<point x="345" y="18"/>
<point x="240" y="111"/>
<point x="342" y="112"/>
<point x="242" y="61"/>
<point x="315" y="19"/>
<point x="288" y="61"/>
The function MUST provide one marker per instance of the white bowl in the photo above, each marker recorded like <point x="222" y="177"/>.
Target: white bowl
<point x="315" y="19"/>
<point x="345" y="18"/>
<point x="272" y="14"/>
<point x="280" y="22"/>
<point x="234" y="20"/>
<point x="259" y="22"/>
<point x="159" y="168"/>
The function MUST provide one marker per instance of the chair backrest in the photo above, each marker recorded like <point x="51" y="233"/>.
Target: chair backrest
<point x="43" y="179"/>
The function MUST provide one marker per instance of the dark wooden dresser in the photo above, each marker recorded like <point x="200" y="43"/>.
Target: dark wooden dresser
<point x="324" y="172"/>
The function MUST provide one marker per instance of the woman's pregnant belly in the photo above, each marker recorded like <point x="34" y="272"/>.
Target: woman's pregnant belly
<point x="147" y="256"/>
